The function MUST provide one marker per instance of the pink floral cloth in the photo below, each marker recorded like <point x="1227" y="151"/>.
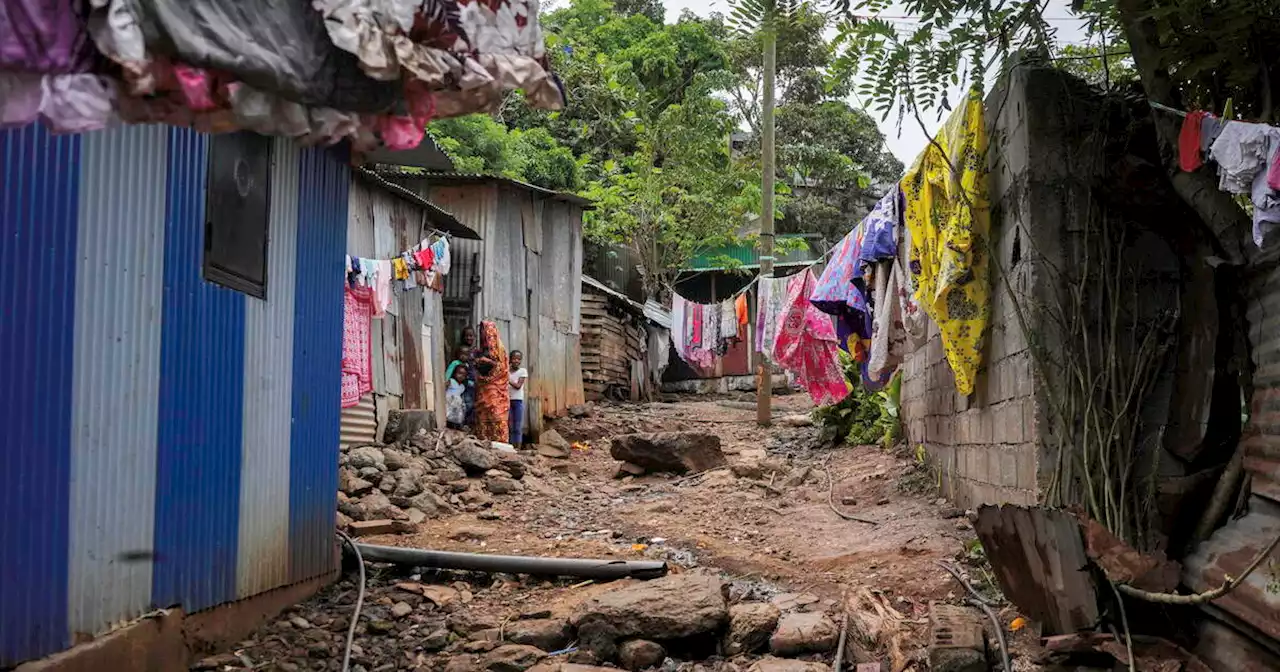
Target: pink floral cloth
<point x="357" y="345"/>
<point x="807" y="344"/>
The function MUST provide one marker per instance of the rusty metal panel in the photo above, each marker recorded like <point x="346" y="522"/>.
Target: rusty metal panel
<point x="1262" y="457"/>
<point x="1040" y="562"/>
<point x="360" y="221"/>
<point x="359" y="423"/>
<point x="1228" y="552"/>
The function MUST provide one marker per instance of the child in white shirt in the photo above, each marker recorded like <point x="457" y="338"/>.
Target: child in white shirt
<point x="515" y="388"/>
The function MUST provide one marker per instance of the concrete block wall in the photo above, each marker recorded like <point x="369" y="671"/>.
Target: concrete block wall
<point x="987" y="448"/>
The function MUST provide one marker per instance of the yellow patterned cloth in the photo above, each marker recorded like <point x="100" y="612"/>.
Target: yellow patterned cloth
<point x="949" y="219"/>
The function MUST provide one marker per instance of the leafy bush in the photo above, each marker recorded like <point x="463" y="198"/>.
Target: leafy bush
<point x="863" y="417"/>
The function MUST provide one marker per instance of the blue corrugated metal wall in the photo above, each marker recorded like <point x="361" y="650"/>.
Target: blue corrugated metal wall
<point x="38" y="196"/>
<point x="198" y="465"/>
<point x="323" y="183"/>
<point x="130" y="306"/>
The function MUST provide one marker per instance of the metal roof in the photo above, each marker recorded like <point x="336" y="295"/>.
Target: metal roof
<point x="440" y="177"/>
<point x="440" y="218"/>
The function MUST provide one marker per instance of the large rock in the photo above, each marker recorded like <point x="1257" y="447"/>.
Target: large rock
<point x="431" y="504"/>
<point x="366" y="456"/>
<point x="548" y="634"/>
<point x="673" y="607"/>
<point x="512" y="658"/>
<point x="408" y="483"/>
<point x="351" y="483"/>
<point x="640" y="654"/>
<point x="770" y="664"/>
<point x="403" y="425"/>
<point x="750" y="625"/>
<point x="474" y="457"/>
<point x="552" y="438"/>
<point x="678" y="452"/>
<point x="397" y="459"/>
<point x="810" y="632"/>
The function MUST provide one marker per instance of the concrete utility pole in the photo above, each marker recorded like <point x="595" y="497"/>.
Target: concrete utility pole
<point x="764" y="385"/>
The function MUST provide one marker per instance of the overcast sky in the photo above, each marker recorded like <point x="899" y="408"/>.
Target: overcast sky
<point x="907" y="144"/>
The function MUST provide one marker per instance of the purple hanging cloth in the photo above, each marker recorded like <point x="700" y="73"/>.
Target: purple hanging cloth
<point x="45" y="36"/>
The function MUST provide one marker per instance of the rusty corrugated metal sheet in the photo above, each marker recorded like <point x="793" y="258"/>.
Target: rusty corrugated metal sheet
<point x="1228" y="552"/>
<point x="1255" y="603"/>
<point x="1041" y="565"/>
<point x="359" y="423"/>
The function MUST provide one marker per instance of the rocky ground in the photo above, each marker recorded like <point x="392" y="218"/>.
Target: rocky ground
<point x="763" y="568"/>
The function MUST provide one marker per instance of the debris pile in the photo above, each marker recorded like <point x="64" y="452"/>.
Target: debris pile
<point x="393" y="488"/>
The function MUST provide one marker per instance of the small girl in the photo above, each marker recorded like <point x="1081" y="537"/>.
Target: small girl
<point x="516" y="379"/>
<point x="455" y="406"/>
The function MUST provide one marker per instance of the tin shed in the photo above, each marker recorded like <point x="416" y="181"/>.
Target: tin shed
<point x="173" y="310"/>
<point x="527" y="273"/>
<point x="408" y="342"/>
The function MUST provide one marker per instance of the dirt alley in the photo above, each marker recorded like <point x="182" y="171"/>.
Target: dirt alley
<point x="773" y="538"/>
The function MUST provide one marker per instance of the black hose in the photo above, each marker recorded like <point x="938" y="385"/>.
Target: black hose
<point x="603" y="570"/>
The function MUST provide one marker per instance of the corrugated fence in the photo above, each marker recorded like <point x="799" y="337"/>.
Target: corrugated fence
<point x="169" y="442"/>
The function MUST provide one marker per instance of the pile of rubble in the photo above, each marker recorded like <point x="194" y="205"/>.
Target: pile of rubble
<point x="393" y="488"/>
<point x="654" y="625"/>
<point x="680" y="622"/>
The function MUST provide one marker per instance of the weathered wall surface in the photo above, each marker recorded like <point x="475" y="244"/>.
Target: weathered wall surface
<point x="986" y="446"/>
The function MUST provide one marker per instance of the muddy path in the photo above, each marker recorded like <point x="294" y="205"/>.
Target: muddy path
<point x="766" y="525"/>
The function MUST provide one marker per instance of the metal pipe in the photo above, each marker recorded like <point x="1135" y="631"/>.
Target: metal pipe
<point x="516" y="564"/>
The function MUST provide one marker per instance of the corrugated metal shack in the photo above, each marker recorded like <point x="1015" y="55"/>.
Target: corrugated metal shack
<point x="526" y="274"/>
<point x="614" y="345"/>
<point x="408" y="342"/>
<point x="172" y="411"/>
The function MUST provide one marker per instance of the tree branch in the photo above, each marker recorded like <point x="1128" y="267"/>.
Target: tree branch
<point x="1198" y="189"/>
<point x="1229" y="584"/>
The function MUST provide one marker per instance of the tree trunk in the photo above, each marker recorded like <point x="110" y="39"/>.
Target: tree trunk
<point x="1224" y="217"/>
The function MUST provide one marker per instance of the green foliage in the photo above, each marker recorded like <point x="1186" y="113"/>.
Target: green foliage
<point x="863" y="417"/>
<point x="1087" y="63"/>
<point x="828" y="151"/>
<point x="478" y="144"/>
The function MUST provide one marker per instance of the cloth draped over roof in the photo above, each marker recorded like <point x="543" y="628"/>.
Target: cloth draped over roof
<point x="371" y="73"/>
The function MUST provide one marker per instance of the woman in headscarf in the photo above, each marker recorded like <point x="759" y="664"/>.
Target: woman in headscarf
<point x="492" y="401"/>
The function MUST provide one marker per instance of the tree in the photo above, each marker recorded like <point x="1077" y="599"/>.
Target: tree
<point x="478" y="144"/>
<point x="650" y="8"/>
<point x="679" y="194"/>
<point x="831" y="154"/>
<point x="1188" y="54"/>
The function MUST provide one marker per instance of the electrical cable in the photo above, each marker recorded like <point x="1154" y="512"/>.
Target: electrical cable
<point x="355" y="617"/>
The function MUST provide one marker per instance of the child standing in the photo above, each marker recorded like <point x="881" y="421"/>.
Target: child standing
<point x="455" y="406"/>
<point x="517" y="378"/>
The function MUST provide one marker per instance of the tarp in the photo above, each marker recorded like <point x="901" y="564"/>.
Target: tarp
<point x="280" y="47"/>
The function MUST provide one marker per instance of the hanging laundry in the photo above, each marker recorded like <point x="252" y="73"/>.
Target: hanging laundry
<point x="680" y="327"/>
<point x="838" y="291"/>
<point x="357" y="345"/>
<point x="888" y="331"/>
<point x="740" y="308"/>
<point x="771" y="293"/>
<point x="1240" y="151"/>
<point x="807" y="345"/>
<point x="1266" y="201"/>
<point x="442" y="258"/>
<point x="1273" y="173"/>
<point x="880" y="231"/>
<point x="381" y="287"/>
<point x="1210" y="128"/>
<point x="399" y="269"/>
<point x="948" y="217"/>
<point x="1189" y="157"/>
<point x="914" y="321"/>
<point x="701" y="333"/>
